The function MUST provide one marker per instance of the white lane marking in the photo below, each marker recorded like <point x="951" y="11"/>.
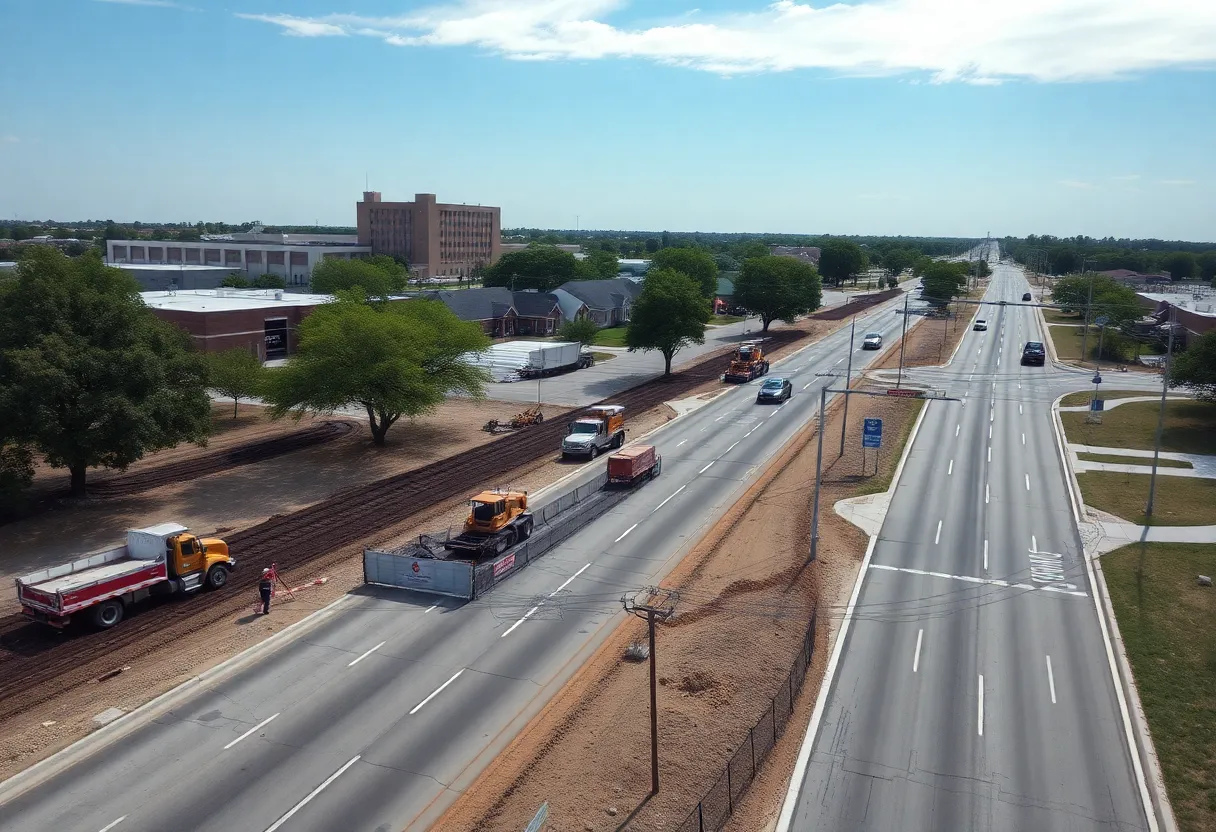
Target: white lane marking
<point x="916" y="657"/>
<point x="838" y="363"/>
<point x="981" y="709"/>
<point x="112" y="824"/>
<point x="749" y="433"/>
<point x="1034" y="544"/>
<point x="431" y="607"/>
<point x="1028" y="482"/>
<point x="674" y="493"/>
<point x="720" y="418"/>
<point x="1019" y="410"/>
<point x="992" y="416"/>
<point x="731" y="448"/>
<point x="970" y="579"/>
<point x="566" y="582"/>
<point x="627" y="531"/>
<point x="998" y="362"/>
<point x="1023" y="439"/>
<point x="994" y="385"/>
<point x="986" y="493"/>
<point x="681" y="442"/>
<point x="524" y="618"/>
<point x="970" y="377"/>
<point x="435" y="693"/>
<point x="985" y="554"/>
<point x="950" y="470"/>
<point x="957" y="428"/>
<point x="1051" y="681"/>
<point x="990" y="453"/>
<point x="311" y="795"/>
<point x="707" y="467"/>
<point x="937" y="538"/>
<point x="808" y="384"/>
<point x="255" y="728"/>
<point x="368" y="653"/>
<point x="990" y="431"/>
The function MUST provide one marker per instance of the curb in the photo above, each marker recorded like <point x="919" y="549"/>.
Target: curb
<point x="790" y="803"/>
<point x="132" y="721"/>
<point x="1147" y="766"/>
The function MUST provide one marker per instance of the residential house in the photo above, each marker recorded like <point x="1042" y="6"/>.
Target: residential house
<point x="537" y="313"/>
<point x="807" y="254"/>
<point x="607" y="302"/>
<point x="492" y="307"/>
<point x="1135" y="278"/>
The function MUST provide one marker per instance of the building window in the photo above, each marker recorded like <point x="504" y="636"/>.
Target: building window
<point x="156" y="254"/>
<point x="212" y="255"/>
<point x="231" y="256"/>
<point x="175" y="254"/>
<point x="299" y="258"/>
<point x="137" y="252"/>
<point x="252" y="257"/>
<point x="193" y="255"/>
<point x="120" y="252"/>
<point x="274" y="258"/>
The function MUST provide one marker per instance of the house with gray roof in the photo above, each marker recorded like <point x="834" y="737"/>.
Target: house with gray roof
<point x="492" y="307"/>
<point x="607" y="302"/>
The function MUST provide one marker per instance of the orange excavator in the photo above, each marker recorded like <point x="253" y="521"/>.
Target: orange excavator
<point x="497" y="521"/>
<point x="747" y="363"/>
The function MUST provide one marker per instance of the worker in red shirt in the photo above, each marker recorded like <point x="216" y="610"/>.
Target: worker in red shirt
<point x="266" y="589"/>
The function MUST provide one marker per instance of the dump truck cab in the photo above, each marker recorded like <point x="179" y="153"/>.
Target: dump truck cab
<point x="747" y="363"/>
<point x="602" y="428"/>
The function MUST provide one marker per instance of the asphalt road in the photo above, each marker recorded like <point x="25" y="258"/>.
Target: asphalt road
<point x="379" y="717"/>
<point x="973" y="691"/>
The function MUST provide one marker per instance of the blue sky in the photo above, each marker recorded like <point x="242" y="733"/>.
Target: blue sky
<point x="950" y="117"/>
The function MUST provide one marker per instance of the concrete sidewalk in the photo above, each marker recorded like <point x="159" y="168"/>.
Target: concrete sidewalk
<point x="1112" y="535"/>
<point x="1111" y="404"/>
<point x="1202" y="465"/>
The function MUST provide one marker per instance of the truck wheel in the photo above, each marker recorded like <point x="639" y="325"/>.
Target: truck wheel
<point x="658" y="468"/>
<point x="595" y="451"/>
<point x="618" y="440"/>
<point x="525" y="531"/>
<point x="107" y="614"/>
<point x="217" y="576"/>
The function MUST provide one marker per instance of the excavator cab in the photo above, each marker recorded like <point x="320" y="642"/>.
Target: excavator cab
<point x="491" y="511"/>
<point x="748" y="363"/>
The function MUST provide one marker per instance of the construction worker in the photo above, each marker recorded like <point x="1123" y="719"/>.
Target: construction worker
<point x="266" y="589"/>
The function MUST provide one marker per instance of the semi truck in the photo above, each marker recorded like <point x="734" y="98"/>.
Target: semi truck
<point x="747" y="363"/>
<point x="164" y="559"/>
<point x="603" y="428"/>
<point x="630" y="466"/>
<point x="497" y="521"/>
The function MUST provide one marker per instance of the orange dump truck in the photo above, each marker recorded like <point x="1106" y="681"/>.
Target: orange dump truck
<point x="630" y="466"/>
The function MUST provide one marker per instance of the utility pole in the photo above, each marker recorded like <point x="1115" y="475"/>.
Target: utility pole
<point x="903" y="341"/>
<point x="1165" y="387"/>
<point x="1089" y="306"/>
<point x="823" y="406"/>
<point x="655" y="605"/>
<point x="848" y="378"/>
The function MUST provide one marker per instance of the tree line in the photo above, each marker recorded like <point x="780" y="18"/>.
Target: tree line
<point x="1068" y="255"/>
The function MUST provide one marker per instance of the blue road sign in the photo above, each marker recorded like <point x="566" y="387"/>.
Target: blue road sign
<point x="871" y="436"/>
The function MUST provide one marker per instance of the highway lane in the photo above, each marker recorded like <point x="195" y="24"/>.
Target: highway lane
<point x="382" y="714"/>
<point x="973" y="691"/>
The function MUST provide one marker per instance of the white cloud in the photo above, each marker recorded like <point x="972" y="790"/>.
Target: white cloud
<point x="164" y="4"/>
<point x="1078" y="184"/>
<point x="9" y="139"/>
<point x="950" y="40"/>
<point x="1178" y="183"/>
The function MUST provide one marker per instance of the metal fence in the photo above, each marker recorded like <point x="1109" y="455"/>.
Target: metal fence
<point x="720" y="801"/>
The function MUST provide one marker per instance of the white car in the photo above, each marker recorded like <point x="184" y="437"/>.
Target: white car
<point x="980" y="326"/>
<point x="872" y="341"/>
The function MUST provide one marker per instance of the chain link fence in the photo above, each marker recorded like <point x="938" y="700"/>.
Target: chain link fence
<point x="720" y="801"/>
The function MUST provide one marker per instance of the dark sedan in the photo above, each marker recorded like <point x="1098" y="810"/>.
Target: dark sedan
<point x="1034" y="353"/>
<point x="775" y="390"/>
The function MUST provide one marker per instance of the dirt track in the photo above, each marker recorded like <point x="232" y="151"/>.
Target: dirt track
<point x="37" y="664"/>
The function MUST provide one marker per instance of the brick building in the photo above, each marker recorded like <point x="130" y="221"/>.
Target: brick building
<point x="438" y="239"/>
<point x="263" y="321"/>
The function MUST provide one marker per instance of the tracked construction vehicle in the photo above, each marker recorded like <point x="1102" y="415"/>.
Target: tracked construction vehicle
<point x="748" y="362"/>
<point x="497" y="521"/>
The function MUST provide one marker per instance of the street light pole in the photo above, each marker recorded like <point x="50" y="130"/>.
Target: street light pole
<point x="1165" y="386"/>
<point x="1089" y="308"/>
<point x="903" y="341"/>
<point x="848" y="378"/>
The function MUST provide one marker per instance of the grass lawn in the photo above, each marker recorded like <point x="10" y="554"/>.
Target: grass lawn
<point x="1167" y="622"/>
<point x="1188" y="427"/>
<point x="603" y="356"/>
<point x="1082" y="398"/>
<point x="880" y="483"/>
<point x="722" y="320"/>
<point x="1055" y="316"/>
<point x="611" y="337"/>
<point x="1069" y="339"/>
<point x="1118" y="459"/>
<point x="1180" y="501"/>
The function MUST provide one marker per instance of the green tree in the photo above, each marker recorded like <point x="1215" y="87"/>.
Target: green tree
<point x="898" y="259"/>
<point x="601" y="264"/>
<point x="92" y="377"/>
<point x="378" y="276"/>
<point x="581" y="330"/>
<point x="944" y="281"/>
<point x="235" y="280"/>
<point x="236" y="374"/>
<point x="697" y="263"/>
<point x="841" y="260"/>
<point x="1195" y="369"/>
<point x="1206" y="263"/>
<point x="778" y="288"/>
<point x="669" y="314"/>
<point x="539" y="266"/>
<point x="1181" y="265"/>
<point x="982" y="269"/>
<point x="652" y="245"/>
<point x="393" y="360"/>
<point x="270" y="281"/>
<point x="1111" y="299"/>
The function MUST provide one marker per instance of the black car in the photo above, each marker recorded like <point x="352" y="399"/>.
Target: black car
<point x="775" y="389"/>
<point x="1026" y="296"/>
<point x="1034" y="353"/>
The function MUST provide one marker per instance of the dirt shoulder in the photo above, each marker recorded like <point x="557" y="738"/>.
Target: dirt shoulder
<point x="931" y="341"/>
<point x="744" y="609"/>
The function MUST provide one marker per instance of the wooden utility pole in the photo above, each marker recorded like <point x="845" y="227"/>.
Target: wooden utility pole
<point x="653" y="604"/>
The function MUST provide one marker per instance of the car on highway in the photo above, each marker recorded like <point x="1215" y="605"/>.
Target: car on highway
<point x="1034" y="353"/>
<point x="872" y="341"/>
<point x="980" y="325"/>
<point x="1026" y="296"/>
<point x="774" y="389"/>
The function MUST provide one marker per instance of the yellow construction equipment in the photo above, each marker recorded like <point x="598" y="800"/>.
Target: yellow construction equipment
<point x="497" y="521"/>
<point x="747" y="363"/>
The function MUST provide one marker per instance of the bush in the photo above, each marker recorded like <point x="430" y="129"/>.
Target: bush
<point x="580" y="329"/>
<point x="16" y="475"/>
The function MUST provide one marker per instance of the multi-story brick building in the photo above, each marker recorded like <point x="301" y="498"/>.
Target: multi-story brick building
<point x="438" y="239"/>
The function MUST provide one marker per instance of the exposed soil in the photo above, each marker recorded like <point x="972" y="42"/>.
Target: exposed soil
<point x="721" y="661"/>
<point x="931" y="341"/>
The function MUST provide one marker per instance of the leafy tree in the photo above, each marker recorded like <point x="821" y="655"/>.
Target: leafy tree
<point x="1207" y="265"/>
<point x="377" y="276"/>
<point x="235" y="280"/>
<point x="778" y="288"/>
<point x="944" y="281"/>
<point x="1181" y="265"/>
<point x="236" y="374"/>
<point x="840" y="260"/>
<point x="898" y="259"/>
<point x="393" y="360"/>
<point x="270" y="281"/>
<point x="539" y="266"/>
<point x="16" y="475"/>
<point x="602" y="264"/>
<point x="1111" y="298"/>
<point x="580" y="329"/>
<point x="697" y="263"/>
<point x="91" y="377"/>
<point x="652" y="245"/>
<point x="666" y="240"/>
<point x="982" y="269"/>
<point x="1195" y="369"/>
<point x="669" y="314"/>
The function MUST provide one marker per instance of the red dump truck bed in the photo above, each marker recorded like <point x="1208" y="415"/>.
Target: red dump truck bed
<point x="631" y="464"/>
